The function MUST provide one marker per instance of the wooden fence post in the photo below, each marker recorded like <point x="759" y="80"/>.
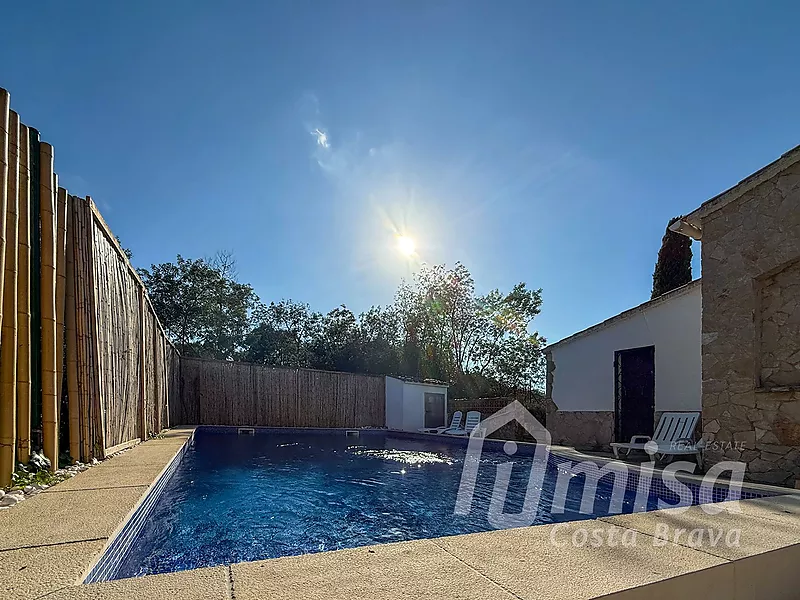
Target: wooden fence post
<point x="156" y="383"/>
<point x="23" y="301"/>
<point x="48" y="300"/>
<point x="142" y="370"/>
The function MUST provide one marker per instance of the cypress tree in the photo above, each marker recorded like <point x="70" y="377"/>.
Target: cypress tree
<point x="674" y="265"/>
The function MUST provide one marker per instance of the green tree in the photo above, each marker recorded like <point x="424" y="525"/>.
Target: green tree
<point x="282" y="334"/>
<point x="674" y="265"/>
<point x="337" y="345"/>
<point x="127" y="251"/>
<point x="379" y="333"/>
<point x="437" y="327"/>
<point x="453" y="334"/>
<point x="507" y="352"/>
<point x="203" y="308"/>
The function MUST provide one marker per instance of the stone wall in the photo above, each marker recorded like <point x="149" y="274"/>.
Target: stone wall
<point x="751" y="330"/>
<point x="581" y="429"/>
<point x="778" y="327"/>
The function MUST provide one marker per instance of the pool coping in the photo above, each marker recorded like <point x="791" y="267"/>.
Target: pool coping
<point x="121" y="541"/>
<point x="277" y="578"/>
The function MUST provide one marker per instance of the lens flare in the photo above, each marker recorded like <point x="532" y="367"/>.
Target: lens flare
<point x="406" y="245"/>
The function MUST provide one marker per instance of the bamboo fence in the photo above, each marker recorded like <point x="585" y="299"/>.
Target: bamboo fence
<point x="74" y="312"/>
<point x="218" y="392"/>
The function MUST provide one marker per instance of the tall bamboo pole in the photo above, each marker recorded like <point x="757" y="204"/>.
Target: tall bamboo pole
<point x="72" y="339"/>
<point x="8" y="404"/>
<point x="61" y="288"/>
<point x="23" y="302"/>
<point x="48" y="303"/>
<point x="84" y="312"/>
<point x="80" y="265"/>
<point x="8" y="337"/>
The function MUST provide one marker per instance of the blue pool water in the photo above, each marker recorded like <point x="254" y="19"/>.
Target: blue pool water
<point x="237" y="498"/>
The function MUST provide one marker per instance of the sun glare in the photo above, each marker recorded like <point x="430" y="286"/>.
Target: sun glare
<point x="406" y="245"/>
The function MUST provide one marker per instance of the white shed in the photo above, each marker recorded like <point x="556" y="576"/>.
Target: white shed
<point x="615" y="379"/>
<point x="412" y="404"/>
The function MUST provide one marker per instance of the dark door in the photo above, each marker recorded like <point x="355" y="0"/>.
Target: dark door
<point x="434" y="410"/>
<point x="635" y="387"/>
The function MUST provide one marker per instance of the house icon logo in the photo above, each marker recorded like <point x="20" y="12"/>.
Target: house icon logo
<point x="469" y="475"/>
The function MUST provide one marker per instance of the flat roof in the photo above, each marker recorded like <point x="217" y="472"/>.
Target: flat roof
<point x="680" y="291"/>
<point x="417" y="381"/>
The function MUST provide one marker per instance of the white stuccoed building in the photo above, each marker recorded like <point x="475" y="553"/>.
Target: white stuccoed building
<point x="613" y="380"/>
<point x="412" y="404"/>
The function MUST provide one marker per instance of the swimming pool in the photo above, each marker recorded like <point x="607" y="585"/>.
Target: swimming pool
<point x="278" y="492"/>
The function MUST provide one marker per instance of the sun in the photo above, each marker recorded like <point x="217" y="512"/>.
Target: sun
<point x="406" y="245"/>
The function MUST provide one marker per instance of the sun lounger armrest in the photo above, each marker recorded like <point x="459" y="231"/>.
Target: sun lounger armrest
<point x="640" y="439"/>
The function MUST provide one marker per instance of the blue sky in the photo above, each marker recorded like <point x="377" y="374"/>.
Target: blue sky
<point x="541" y="143"/>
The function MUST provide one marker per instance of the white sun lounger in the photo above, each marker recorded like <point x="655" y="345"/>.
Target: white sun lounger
<point x="672" y="437"/>
<point x="473" y="420"/>
<point x="455" y="423"/>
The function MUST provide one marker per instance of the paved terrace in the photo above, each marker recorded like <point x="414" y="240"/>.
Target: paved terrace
<point x="48" y="542"/>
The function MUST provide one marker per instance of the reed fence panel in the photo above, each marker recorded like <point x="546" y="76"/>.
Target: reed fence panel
<point x="275" y="393"/>
<point x="118" y="341"/>
<point x="228" y="393"/>
<point x="173" y="368"/>
<point x="122" y="350"/>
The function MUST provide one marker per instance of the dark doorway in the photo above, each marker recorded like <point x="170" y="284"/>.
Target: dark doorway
<point x="635" y="389"/>
<point x="434" y="410"/>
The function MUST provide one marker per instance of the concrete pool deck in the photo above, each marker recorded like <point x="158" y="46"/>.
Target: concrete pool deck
<point x="49" y="541"/>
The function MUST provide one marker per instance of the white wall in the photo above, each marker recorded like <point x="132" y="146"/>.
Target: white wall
<point x="584" y="375"/>
<point x="394" y="403"/>
<point x="413" y="407"/>
<point x="405" y="403"/>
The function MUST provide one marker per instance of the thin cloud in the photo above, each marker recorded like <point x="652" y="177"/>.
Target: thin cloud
<point x="322" y="138"/>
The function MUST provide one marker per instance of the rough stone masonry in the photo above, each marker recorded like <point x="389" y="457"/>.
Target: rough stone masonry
<point x="751" y="327"/>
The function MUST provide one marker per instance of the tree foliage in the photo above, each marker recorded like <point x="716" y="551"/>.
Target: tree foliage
<point x="451" y="333"/>
<point x="674" y="265"/>
<point x="203" y="308"/>
<point x="437" y="327"/>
